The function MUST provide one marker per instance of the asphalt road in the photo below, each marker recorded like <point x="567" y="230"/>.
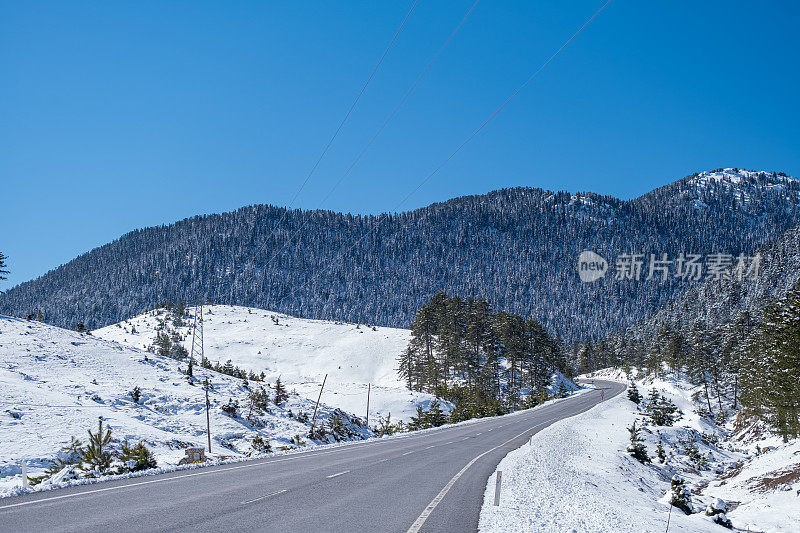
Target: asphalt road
<point x="429" y="481"/>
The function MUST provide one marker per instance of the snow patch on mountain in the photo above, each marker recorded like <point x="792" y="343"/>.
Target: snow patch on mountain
<point x="745" y="186"/>
<point x="55" y="383"/>
<point x="299" y="351"/>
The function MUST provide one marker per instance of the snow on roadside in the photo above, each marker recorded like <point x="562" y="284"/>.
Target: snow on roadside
<point x="751" y="469"/>
<point x="576" y="476"/>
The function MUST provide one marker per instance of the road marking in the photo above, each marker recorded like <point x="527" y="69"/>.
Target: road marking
<point x="172" y="478"/>
<point x="408" y="453"/>
<point x="418" y="523"/>
<point x="415" y="527"/>
<point x="339" y="474"/>
<point x="429" y="447"/>
<point x="481" y="433"/>
<point x="249" y="464"/>
<point x="265" y="497"/>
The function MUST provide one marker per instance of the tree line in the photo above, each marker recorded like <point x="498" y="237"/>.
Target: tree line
<point x="486" y="362"/>
<point x="749" y="362"/>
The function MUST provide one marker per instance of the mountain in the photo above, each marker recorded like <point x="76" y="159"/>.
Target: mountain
<point x="719" y="302"/>
<point x="516" y="247"/>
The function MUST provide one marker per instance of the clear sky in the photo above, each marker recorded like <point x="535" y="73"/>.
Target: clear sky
<point x="120" y="115"/>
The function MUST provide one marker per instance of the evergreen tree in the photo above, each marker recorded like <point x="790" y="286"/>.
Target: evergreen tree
<point x="281" y="395"/>
<point x="636" y="447"/>
<point x="136" y="458"/>
<point x="771" y="367"/>
<point x="435" y="417"/>
<point x="633" y="393"/>
<point x="136" y="394"/>
<point x="3" y="267"/>
<point x="680" y="497"/>
<point x="259" y="445"/>
<point x="96" y="456"/>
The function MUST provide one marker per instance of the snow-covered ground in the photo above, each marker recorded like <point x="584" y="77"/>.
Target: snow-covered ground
<point x="55" y="383"/>
<point x="577" y="475"/>
<point x="300" y="351"/>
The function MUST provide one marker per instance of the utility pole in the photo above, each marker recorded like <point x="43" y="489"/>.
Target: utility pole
<point x="368" y="388"/>
<point x="314" y="418"/>
<point x="206" y="386"/>
<point x="197" y="335"/>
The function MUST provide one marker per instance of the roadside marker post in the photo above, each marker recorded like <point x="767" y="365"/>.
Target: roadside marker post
<point x="497" y="488"/>
<point x="369" y="386"/>
<point x="24" y="474"/>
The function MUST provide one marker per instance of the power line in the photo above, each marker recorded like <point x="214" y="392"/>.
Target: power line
<point x="347" y="115"/>
<point x="372" y="140"/>
<point x="469" y="138"/>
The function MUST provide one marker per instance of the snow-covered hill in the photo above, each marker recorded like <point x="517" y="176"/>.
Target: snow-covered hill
<point x="298" y="350"/>
<point x="55" y="383"/>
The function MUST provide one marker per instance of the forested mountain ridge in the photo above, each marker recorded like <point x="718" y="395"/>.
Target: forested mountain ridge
<point x="738" y="340"/>
<point x="518" y="248"/>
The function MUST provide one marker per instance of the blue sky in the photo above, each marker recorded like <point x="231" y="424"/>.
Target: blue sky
<point x="120" y="115"/>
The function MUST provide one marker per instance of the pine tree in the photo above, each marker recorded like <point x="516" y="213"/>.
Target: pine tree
<point x="3" y="267"/>
<point x="771" y="367"/>
<point x="136" y="458"/>
<point x="259" y="445"/>
<point x="96" y="456"/>
<point x="633" y="393"/>
<point x="281" y="395"/>
<point x="636" y="447"/>
<point x="136" y="394"/>
<point x="418" y="422"/>
<point x="680" y="497"/>
<point x="435" y="417"/>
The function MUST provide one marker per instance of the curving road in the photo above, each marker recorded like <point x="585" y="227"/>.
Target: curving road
<point x="429" y="481"/>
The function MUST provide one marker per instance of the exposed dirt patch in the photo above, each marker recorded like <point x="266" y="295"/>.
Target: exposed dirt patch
<point x="778" y="480"/>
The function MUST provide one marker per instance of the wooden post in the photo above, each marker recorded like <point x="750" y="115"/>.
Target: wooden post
<point x="314" y="418"/>
<point x="368" y="388"/>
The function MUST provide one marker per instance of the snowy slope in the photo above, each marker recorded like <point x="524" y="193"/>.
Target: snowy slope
<point x="300" y="351"/>
<point x="55" y="383"/>
<point x="577" y="477"/>
<point x="753" y="471"/>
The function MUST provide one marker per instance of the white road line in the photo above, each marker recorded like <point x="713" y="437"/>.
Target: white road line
<point x="292" y="457"/>
<point x="265" y="496"/>
<point x="418" y="523"/>
<point x="408" y="453"/>
<point x="338" y="474"/>
<point x="429" y="447"/>
<point x="415" y="527"/>
<point x="172" y="478"/>
<point x="481" y="433"/>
